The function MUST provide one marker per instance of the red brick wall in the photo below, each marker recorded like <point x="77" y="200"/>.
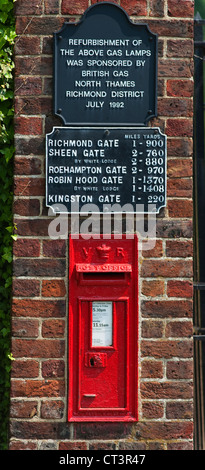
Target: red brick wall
<point x="40" y="269"/>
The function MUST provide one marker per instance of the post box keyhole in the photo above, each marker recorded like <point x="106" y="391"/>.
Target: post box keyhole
<point x="92" y="361"/>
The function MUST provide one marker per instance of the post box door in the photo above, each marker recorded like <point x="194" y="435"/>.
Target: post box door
<point x="103" y="361"/>
<point x="102" y="332"/>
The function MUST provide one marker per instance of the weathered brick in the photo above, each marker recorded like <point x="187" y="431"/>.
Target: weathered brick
<point x="25" y="328"/>
<point x="53" y="328"/>
<point x="25" y="368"/>
<point x="152" y="288"/>
<point x="38" y="308"/>
<point x="74" y="7"/>
<point x="54" y="248"/>
<point x="156" y="8"/>
<point x="178" y="268"/>
<point x="179" y="248"/>
<point x="152" y="329"/>
<point x="22" y="247"/>
<point x="26" y="287"/>
<point x="179" y="168"/>
<point x="179" y="127"/>
<point x="155" y="252"/>
<point x="37" y="348"/>
<point x="29" y="186"/>
<point x="52" y="409"/>
<point x="179" y="289"/>
<point x="180" y="88"/>
<point x="21" y="445"/>
<point x="179" y="410"/>
<point x="52" y="7"/>
<point x="179" y="329"/>
<point x="28" y="86"/>
<point x="39" y="267"/>
<point x="184" y="8"/>
<point x="27" y="165"/>
<point x="72" y="445"/>
<point x="164" y="430"/>
<point x="54" y="288"/>
<point x="53" y="368"/>
<point x="184" y="189"/>
<point x="28" y="45"/>
<point x="28" y="125"/>
<point x="33" y="8"/>
<point x="180" y="208"/>
<point x="23" y="409"/>
<point x="179" y="48"/>
<point x="134" y="7"/>
<point x="153" y="410"/>
<point x="152" y="369"/>
<point x="167" y="308"/>
<point x="163" y="390"/>
<point x="172" y="107"/>
<point x="167" y="348"/>
<point x="174" y="68"/>
<point x="179" y="370"/>
<point x="26" y="207"/>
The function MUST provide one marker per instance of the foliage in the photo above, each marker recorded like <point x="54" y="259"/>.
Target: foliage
<point x="7" y="36"/>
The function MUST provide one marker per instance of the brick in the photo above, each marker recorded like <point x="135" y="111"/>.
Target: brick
<point x="152" y="288"/>
<point x="32" y="227"/>
<point x="53" y="328"/>
<point x="180" y="445"/>
<point x="179" y="248"/>
<point x="166" y="390"/>
<point x="134" y="7"/>
<point x="184" y="189"/>
<point x="28" y="86"/>
<point x="174" y="229"/>
<point x="39" y="25"/>
<point x="179" y="370"/>
<point x="156" y="8"/>
<point x="172" y="28"/>
<point x="177" y="268"/>
<point x="52" y="409"/>
<point x="102" y="445"/>
<point x="167" y="349"/>
<point x="25" y="368"/>
<point x="74" y="7"/>
<point x="184" y="9"/>
<point x="29" y="186"/>
<point x="179" y="410"/>
<point x="152" y="329"/>
<point x="33" y="8"/>
<point x="179" y="289"/>
<point x="23" y="409"/>
<point x="51" y="7"/>
<point x="25" y="328"/>
<point x="104" y="430"/>
<point x="54" y="248"/>
<point x="26" y="207"/>
<point x="174" y="68"/>
<point x="25" y="287"/>
<point x="27" y="166"/>
<point x="37" y="388"/>
<point x="179" y="147"/>
<point x="28" y="125"/>
<point x="28" y="46"/>
<point x="132" y="445"/>
<point x="45" y="348"/>
<point x="167" y="308"/>
<point x="29" y="146"/>
<point x="179" y="329"/>
<point x="155" y="252"/>
<point x="180" y="208"/>
<point x="38" y="308"/>
<point x="53" y="368"/>
<point x="54" y="288"/>
<point x="30" y="105"/>
<point x="33" y="65"/>
<point x="180" y="88"/>
<point x="19" y="445"/>
<point x="172" y="107"/>
<point x="68" y="445"/>
<point x="152" y="369"/>
<point x="22" y="247"/>
<point x="164" y="431"/>
<point x="179" y="168"/>
<point x="180" y="48"/>
<point x="39" y="267"/>
<point x="34" y="430"/>
<point x="152" y="410"/>
<point x="179" y="127"/>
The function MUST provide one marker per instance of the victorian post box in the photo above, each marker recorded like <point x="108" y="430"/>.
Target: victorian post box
<point x="103" y="329"/>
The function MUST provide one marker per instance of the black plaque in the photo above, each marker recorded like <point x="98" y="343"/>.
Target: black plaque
<point x="105" y="166"/>
<point x="105" y="69"/>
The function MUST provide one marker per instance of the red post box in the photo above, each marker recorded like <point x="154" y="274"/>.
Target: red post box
<point x="103" y="314"/>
